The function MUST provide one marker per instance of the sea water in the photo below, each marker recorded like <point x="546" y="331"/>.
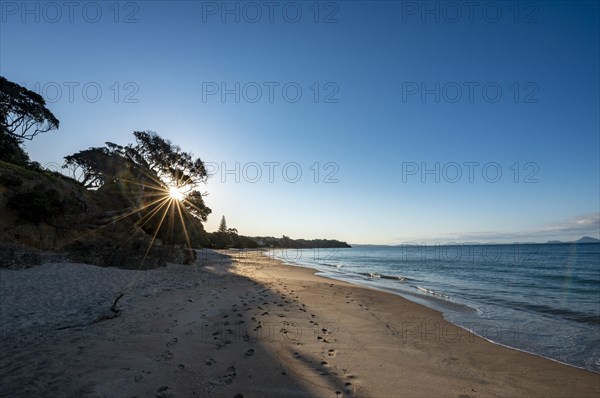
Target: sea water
<point x="539" y="298"/>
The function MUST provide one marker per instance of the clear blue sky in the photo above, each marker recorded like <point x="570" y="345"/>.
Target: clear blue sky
<point x="388" y="90"/>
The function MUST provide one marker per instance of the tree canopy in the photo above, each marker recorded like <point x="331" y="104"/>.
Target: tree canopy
<point x="94" y="166"/>
<point x="149" y="166"/>
<point x="165" y="160"/>
<point x="23" y="113"/>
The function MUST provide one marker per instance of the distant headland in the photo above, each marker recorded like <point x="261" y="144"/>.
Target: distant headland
<point x="585" y="239"/>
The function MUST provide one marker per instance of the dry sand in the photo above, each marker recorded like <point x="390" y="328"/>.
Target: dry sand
<point x="248" y="326"/>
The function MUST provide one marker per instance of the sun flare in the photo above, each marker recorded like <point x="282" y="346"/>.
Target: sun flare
<point x="175" y="193"/>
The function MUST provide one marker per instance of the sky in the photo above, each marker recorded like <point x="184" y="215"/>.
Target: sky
<point x="377" y="122"/>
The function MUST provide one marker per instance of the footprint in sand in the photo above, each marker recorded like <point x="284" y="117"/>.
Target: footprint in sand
<point x="163" y="392"/>
<point x="331" y="353"/>
<point x="296" y="355"/>
<point x="350" y="389"/>
<point x="249" y="353"/>
<point x="229" y="376"/>
<point x="173" y="341"/>
<point x="165" y="356"/>
<point x="210" y="362"/>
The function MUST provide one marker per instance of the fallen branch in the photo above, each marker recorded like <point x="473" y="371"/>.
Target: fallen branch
<point x="113" y="308"/>
<point x="115" y="312"/>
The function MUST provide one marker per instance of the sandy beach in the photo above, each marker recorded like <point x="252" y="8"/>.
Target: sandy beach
<point x="245" y="325"/>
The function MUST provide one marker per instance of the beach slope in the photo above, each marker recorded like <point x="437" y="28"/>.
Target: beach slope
<point x="245" y="325"/>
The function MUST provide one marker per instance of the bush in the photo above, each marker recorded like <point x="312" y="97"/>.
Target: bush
<point x="38" y="205"/>
<point x="11" y="180"/>
<point x="11" y="151"/>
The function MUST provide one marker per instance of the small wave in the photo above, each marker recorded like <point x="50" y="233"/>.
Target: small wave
<point x="331" y="265"/>
<point x="432" y="292"/>
<point x="395" y="278"/>
<point x="383" y="276"/>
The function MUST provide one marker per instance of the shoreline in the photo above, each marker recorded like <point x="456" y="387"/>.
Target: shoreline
<point x="472" y="337"/>
<point x="259" y="328"/>
<point x="318" y="272"/>
<point x="499" y="329"/>
<point x="449" y="321"/>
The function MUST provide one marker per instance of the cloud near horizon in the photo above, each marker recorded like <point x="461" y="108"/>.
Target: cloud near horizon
<point x="566" y="230"/>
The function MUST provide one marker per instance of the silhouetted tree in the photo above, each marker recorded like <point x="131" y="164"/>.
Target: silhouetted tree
<point x="196" y="206"/>
<point x="139" y="176"/>
<point x="23" y="113"/>
<point x="165" y="160"/>
<point x="96" y="165"/>
<point x="223" y="226"/>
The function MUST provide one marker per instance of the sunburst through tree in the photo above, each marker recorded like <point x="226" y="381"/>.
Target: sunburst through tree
<point x="153" y="181"/>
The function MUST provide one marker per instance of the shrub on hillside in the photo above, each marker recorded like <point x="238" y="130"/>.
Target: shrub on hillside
<point x="40" y="204"/>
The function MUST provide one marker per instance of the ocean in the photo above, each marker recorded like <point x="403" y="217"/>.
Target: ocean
<point x="540" y="298"/>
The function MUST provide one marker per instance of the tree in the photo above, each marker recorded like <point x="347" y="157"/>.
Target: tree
<point x="166" y="161"/>
<point x="95" y="166"/>
<point x="195" y="205"/>
<point x="143" y="172"/>
<point x="23" y="113"/>
<point x="223" y="226"/>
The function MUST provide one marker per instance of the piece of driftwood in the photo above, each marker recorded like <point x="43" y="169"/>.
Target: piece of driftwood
<point x="114" y="312"/>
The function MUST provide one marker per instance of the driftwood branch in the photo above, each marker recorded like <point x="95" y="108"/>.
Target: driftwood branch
<point x="114" y="308"/>
<point x="114" y="312"/>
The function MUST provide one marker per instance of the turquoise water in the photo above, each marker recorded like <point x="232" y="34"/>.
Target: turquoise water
<point x="540" y="298"/>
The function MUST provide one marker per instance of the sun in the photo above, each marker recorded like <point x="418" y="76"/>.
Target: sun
<point x="175" y="193"/>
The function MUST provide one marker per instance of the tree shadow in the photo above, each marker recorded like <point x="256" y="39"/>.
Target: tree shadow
<point x="285" y="331"/>
<point x="208" y="331"/>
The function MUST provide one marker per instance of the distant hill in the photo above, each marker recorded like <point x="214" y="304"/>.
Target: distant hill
<point x="587" y="239"/>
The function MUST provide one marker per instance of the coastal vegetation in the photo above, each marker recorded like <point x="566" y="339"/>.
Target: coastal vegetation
<point x="135" y="205"/>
